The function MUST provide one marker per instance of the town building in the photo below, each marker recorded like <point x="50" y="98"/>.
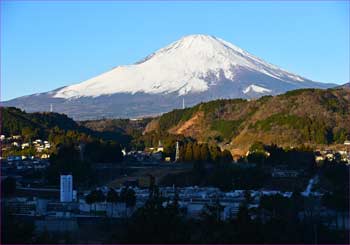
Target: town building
<point x="66" y="188"/>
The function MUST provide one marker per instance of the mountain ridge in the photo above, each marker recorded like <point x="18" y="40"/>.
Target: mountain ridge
<point x="196" y="68"/>
<point x="306" y="116"/>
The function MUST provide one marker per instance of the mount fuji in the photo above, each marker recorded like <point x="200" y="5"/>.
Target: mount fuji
<point x="195" y="68"/>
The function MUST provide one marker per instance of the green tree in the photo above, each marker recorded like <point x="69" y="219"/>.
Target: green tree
<point x="226" y="156"/>
<point x="128" y="196"/>
<point x="247" y="197"/>
<point x="29" y="133"/>
<point x="99" y="196"/>
<point x="89" y="199"/>
<point x="243" y="217"/>
<point x="112" y="198"/>
<point x="204" y="151"/>
<point x="257" y="158"/>
<point x="257" y="146"/>
<point x="189" y="152"/>
<point x="196" y="152"/>
<point x="215" y="153"/>
<point x="95" y="196"/>
<point x="67" y="159"/>
<point x="160" y="224"/>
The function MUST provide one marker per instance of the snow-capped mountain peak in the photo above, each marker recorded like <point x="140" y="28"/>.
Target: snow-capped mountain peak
<point x="190" y="65"/>
<point x="198" y="68"/>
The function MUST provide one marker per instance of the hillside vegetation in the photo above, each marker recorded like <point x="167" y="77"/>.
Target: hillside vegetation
<point x="306" y="116"/>
<point x="54" y="126"/>
<point x="14" y="121"/>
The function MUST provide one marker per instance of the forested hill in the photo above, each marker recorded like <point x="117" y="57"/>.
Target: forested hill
<point x="14" y="121"/>
<point x="49" y="124"/>
<point x="306" y="116"/>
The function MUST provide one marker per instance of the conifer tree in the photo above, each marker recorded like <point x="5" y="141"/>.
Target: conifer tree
<point x="226" y="157"/>
<point x="204" y="151"/>
<point x="196" y="152"/>
<point x="189" y="152"/>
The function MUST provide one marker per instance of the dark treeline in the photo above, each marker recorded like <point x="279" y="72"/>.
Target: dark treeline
<point x="213" y="167"/>
<point x="223" y="175"/>
<point x="126" y="196"/>
<point x="197" y="152"/>
<point x="190" y="149"/>
<point x="335" y="180"/>
<point x="273" y="155"/>
<point x="78" y="159"/>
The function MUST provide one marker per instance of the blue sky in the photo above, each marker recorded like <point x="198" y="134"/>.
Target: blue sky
<point x="46" y="45"/>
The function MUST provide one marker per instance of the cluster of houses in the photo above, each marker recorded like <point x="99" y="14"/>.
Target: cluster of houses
<point x="49" y="206"/>
<point x="143" y="156"/>
<point x="18" y="165"/>
<point x="334" y="155"/>
<point x="42" y="147"/>
<point x="151" y="154"/>
<point x="192" y="200"/>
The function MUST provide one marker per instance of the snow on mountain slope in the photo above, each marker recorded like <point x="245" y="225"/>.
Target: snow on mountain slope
<point x="197" y="68"/>
<point x="190" y="65"/>
<point x="256" y="89"/>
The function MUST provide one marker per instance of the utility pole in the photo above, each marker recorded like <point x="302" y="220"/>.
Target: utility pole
<point x="177" y="152"/>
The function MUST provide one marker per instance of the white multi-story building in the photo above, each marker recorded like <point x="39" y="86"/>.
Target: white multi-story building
<point x="66" y="191"/>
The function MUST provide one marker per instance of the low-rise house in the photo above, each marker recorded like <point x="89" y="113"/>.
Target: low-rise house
<point x="342" y="152"/>
<point x="160" y="148"/>
<point x="40" y="149"/>
<point x="284" y="173"/>
<point x="25" y="145"/>
<point x="45" y="156"/>
<point x="319" y="158"/>
<point x="330" y="156"/>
